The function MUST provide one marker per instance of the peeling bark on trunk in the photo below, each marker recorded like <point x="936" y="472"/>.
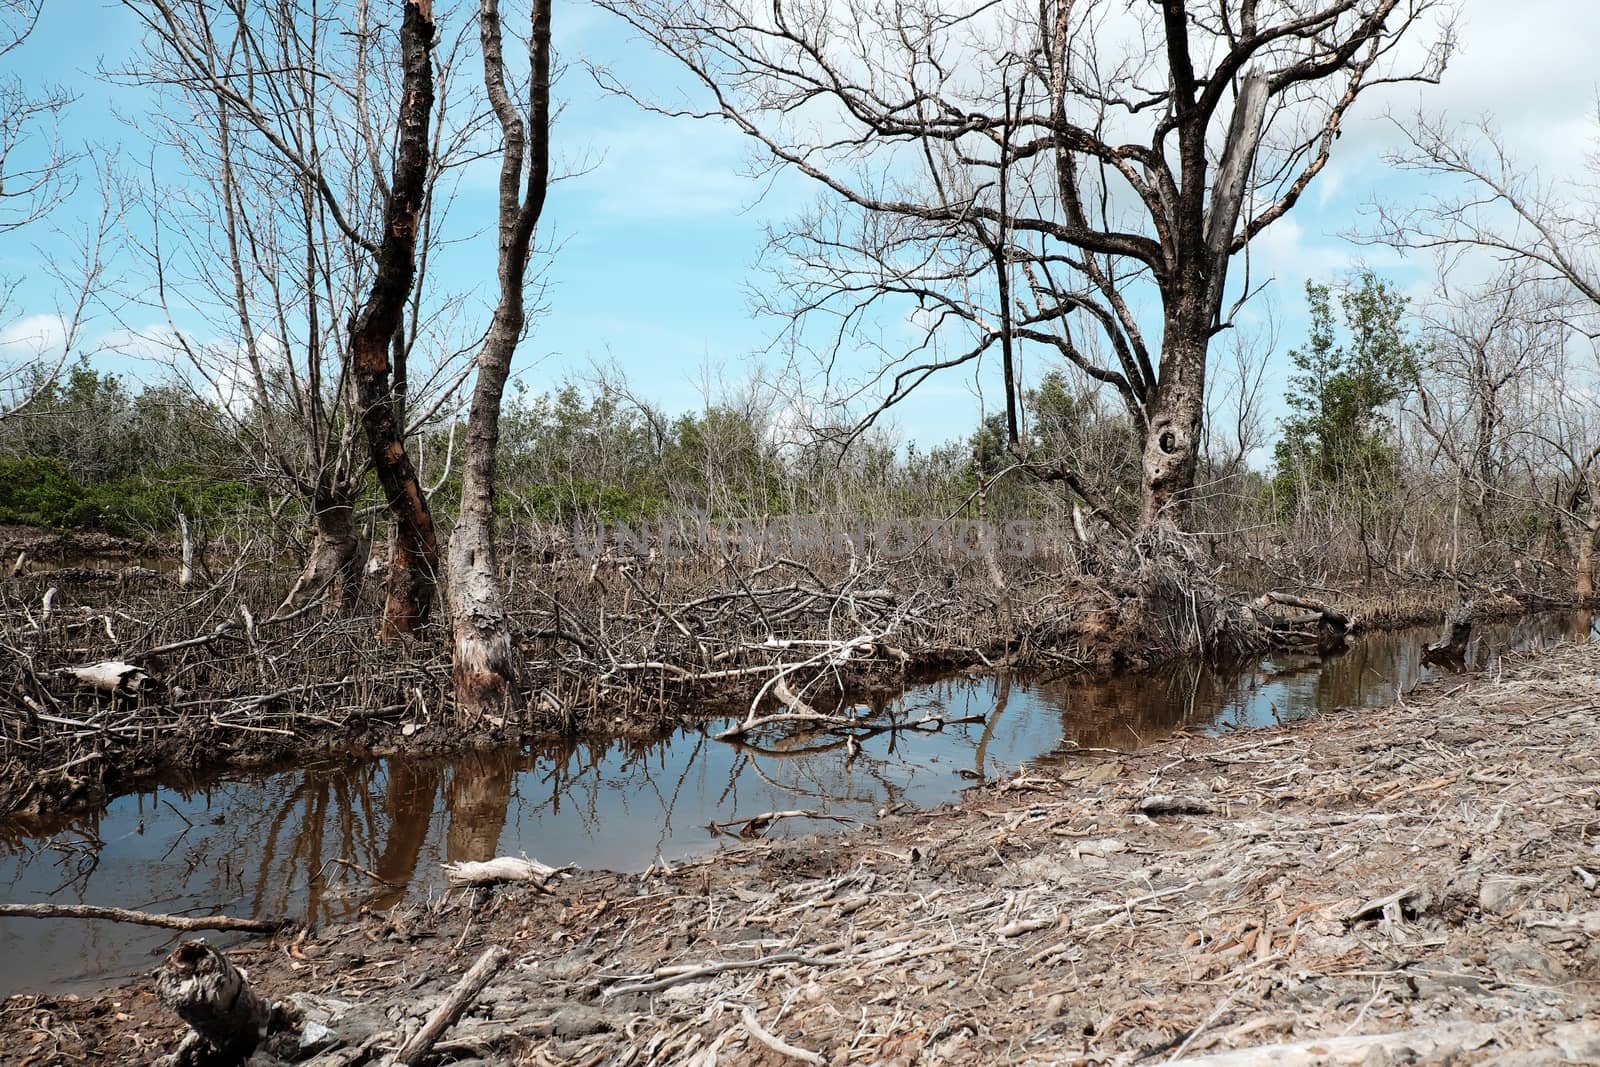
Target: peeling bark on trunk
<point x="214" y="997"/>
<point x="484" y="658"/>
<point x="413" y="568"/>
<point x="1172" y="442"/>
<point x="1585" y="554"/>
<point x="333" y="563"/>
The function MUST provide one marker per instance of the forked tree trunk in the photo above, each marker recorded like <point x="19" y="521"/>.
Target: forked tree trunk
<point x="413" y="569"/>
<point x="1192" y="298"/>
<point x="484" y="657"/>
<point x="334" y="563"/>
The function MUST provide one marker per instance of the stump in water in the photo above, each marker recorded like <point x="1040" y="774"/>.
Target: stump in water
<point x="1451" y="648"/>
<point x="214" y="997"/>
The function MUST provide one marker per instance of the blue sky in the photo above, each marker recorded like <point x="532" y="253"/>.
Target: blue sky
<point x="657" y="240"/>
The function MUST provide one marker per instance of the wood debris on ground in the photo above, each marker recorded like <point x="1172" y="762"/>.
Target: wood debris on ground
<point x="1417" y="883"/>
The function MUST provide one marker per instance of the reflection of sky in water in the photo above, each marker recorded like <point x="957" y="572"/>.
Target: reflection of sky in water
<point x="273" y="844"/>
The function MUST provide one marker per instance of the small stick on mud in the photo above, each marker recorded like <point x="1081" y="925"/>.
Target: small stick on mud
<point x="756" y="825"/>
<point x="671" y="976"/>
<point x="143" y="918"/>
<point x="446" y="1014"/>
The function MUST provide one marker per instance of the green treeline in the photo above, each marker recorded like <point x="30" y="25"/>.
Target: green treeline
<point x="91" y="452"/>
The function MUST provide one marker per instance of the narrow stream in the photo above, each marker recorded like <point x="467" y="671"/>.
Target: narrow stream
<point x="316" y="842"/>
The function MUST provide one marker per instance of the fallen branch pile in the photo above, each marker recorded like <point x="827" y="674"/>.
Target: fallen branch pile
<point x="103" y="683"/>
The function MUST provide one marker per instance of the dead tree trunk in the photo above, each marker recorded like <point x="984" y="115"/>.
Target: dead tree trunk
<point x="484" y="657"/>
<point x="334" y="561"/>
<point x="214" y="997"/>
<point x="1172" y="441"/>
<point x="1585" y="556"/>
<point x="186" y="564"/>
<point x="413" y="570"/>
<point x="1192" y="296"/>
<point x="1321" y="626"/>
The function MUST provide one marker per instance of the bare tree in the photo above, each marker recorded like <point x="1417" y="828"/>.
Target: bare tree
<point x="282" y="120"/>
<point x="413" y="567"/>
<point x="1036" y="173"/>
<point x="1474" y="397"/>
<point x="37" y="173"/>
<point x="1481" y="203"/>
<point x="36" y="170"/>
<point x="484" y="656"/>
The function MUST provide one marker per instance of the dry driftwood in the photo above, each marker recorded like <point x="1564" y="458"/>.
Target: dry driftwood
<point x="226" y="1016"/>
<point x="503" y="869"/>
<point x="446" y="1014"/>
<point x="1319" y="623"/>
<point x="776" y="1043"/>
<point x="143" y="918"/>
<point x="113" y="676"/>
<point x="1433" y="1043"/>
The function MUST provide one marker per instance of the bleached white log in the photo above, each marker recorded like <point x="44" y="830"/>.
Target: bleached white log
<point x="112" y="676"/>
<point x="502" y="869"/>
<point x="1431" y="1044"/>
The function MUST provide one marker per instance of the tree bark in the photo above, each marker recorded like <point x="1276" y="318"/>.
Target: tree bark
<point x="214" y="997"/>
<point x="413" y="569"/>
<point x="484" y="657"/>
<point x="1585" y="554"/>
<point x="334" y="561"/>
<point x="1192" y="296"/>
<point x="1172" y="441"/>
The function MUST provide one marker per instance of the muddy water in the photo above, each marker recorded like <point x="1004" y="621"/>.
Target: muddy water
<point x="319" y="841"/>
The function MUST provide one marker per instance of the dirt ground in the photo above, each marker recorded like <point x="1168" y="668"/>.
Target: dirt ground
<point x="1408" y="884"/>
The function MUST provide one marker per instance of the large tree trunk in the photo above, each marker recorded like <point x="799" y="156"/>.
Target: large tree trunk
<point x="1172" y="441"/>
<point x="412" y="570"/>
<point x="1192" y="297"/>
<point x="484" y="657"/>
<point x="1585" y="554"/>
<point x="334" y="563"/>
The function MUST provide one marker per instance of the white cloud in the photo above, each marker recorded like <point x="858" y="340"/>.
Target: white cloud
<point x="32" y="337"/>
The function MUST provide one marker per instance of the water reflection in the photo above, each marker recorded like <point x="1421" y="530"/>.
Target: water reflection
<point x="317" y="841"/>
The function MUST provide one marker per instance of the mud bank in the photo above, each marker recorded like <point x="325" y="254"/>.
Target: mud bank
<point x="1412" y="883"/>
